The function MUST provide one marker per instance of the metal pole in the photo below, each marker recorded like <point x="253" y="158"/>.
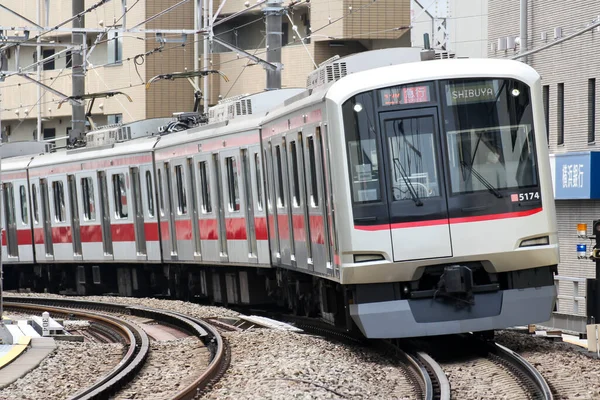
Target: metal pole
<point x="205" y="93"/>
<point x="39" y="75"/>
<point x="78" y="75"/>
<point x="197" y="27"/>
<point x="523" y="28"/>
<point x="273" y="13"/>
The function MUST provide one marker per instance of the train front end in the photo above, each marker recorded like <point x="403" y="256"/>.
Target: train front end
<point x="445" y="208"/>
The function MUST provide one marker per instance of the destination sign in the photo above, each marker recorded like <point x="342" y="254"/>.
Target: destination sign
<point x="471" y="92"/>
<point x="404" y="95"/>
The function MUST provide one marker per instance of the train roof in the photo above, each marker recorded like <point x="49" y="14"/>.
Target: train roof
<point x="359" y="82"/>
<point x="18" y="163"/>
<point x="135" y="146"/>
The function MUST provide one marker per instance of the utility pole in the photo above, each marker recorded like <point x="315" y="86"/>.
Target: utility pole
<point x="205" y="25"/>
<point x="78" y="76"/>
<point x="197" y="26"/>
<point x="39" y="75"/>
<point x="523" y="29"/>
<point x="273" y="13"/>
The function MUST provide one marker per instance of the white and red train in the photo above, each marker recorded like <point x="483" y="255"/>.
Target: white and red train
<point x="399" y="196"/>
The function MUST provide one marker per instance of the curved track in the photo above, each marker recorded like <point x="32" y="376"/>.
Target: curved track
<point x="137" y="339"/>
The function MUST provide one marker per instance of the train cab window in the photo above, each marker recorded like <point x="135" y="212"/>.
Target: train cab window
<point x="259" y="193"/>
<point x="120" y="196"/>
<point x="36" y="213"/>
<point x="232" y="184"/>
<point x="363" y="150"/>
<point x="312" y="160"/>
<point x="23" y="198"/>
<point x="161" y="199"/>
<point x="280" y="191"/>
<point x="58" y="192"/>
<point x="181" y="195"/>
<point x="296" y="175"/>
<point x="149" y="194"/>
<point x="204" y="188"/>
<point x="89" y="207"/>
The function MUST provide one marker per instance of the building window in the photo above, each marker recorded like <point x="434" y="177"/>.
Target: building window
<point x="591" y="110"/>
<point x="546" y="98"/>
<point x="59" y="201"/>
<point x="204" y="188"/>
<point x="68" y="60"/>
<point x="114" y="119"/>
<point x="232" y="184"/>
<point x="120" y="196"/>
<point x="560" y="110"/>
<point x="23" y="196"/>
<point x="87" y="190"/>
<point x="49" y="133"/>
<point x="48" y="64"/>
<point x="181" y="195"/>
<point x="115" y="44"/>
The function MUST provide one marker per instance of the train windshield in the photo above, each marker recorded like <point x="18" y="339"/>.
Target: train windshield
<point x="489" y="135"/>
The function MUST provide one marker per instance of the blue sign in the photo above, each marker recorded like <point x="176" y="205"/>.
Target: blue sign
<point x="577" y="175"/>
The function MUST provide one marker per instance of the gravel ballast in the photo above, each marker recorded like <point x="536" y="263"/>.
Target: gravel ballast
<point x="570" y="372"/>
<point x="70" y="368"/>
<point x="269" y="364"/>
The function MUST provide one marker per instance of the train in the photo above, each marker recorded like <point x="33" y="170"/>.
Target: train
<point x="396" y="195"/>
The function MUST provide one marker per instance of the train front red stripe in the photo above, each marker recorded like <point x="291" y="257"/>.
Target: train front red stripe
<point x="462" y="220"/>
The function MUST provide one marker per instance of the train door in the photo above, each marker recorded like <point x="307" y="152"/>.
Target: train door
<point x="10" y="221"/>
<point x="107" y="244"/>
<point x="183" y="225"/>
<point x="122" y="218"/>
<point x="38" y="231"/>
<point x="24" y="232"/>
<point x="249" y="206"/>
<point x="234" y="206"/>
<point x="261" y="236"/>
<point x="270" y="187"/>
<point x="416" y="198"/>
<point x="223" y="254"/>
<point x="90" y="221"/>
<point x="300" y="229"/>
<point x="48" y="245"/>
<point x="285" y="232"/>
<point x="194" y="211"/>
<point x="316" y="204"/>
<point x="171" y="211"/>
<point x="207" y="219"/>
<point x="62" y="235"/>
<point x="74" y="211"/>
<point x="149" y="209"/>
<point x="138" y="214"/>
<point x="329" y="204"/>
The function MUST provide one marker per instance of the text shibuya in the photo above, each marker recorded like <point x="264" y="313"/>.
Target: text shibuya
<point x="469" y="93"/>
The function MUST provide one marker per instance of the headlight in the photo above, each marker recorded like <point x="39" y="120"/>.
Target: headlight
<point x="360" y="258"/>
<point x="539" y="241"/>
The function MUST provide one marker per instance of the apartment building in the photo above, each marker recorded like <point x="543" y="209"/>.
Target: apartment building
<point x="570" y="73"/>
<point x="312" y="32"/>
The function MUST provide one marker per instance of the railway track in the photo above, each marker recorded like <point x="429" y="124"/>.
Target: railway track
<point x="475" y="367"/>
<point x="137" y="340"/>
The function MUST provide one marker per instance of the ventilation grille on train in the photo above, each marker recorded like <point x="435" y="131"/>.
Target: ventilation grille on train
<point x="327" y="73"/>
<point x="230" y="108"/>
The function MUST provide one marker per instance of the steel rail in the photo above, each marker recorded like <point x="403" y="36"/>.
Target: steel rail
<point x="132" y="361"/>
<point x="220" y="355"/>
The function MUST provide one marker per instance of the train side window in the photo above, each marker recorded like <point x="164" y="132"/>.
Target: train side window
<point x="312" y="159"/>
<point x="259" y="193"/>
<point x="36" y="213"/>
<point x="232" y="184"/>
<point x="9" y="203"/>
<point x="58" y="191"/>
<point x="89" y="206"/>
<point x="296" y="175"/>
<point x="149" y="194"/>
<point x="120" y="196"/>
<point x="280" y="191"/>
<point x="204" y="188"/>
<point x="161" y="199"/>
<point x="181" y="195"/>
<point x="23" y="196"/>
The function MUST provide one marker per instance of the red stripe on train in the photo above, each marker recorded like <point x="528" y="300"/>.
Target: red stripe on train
<point x="208" y="229"/>
<point x="236" y="228"/>
<point x="462" y="220"/>
<point x="183" y="229"/>
<point x="260" y="228"/>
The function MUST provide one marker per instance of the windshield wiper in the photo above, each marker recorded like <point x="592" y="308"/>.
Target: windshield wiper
<point x="411" y="189"/>
<point x="484" y="181"/>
